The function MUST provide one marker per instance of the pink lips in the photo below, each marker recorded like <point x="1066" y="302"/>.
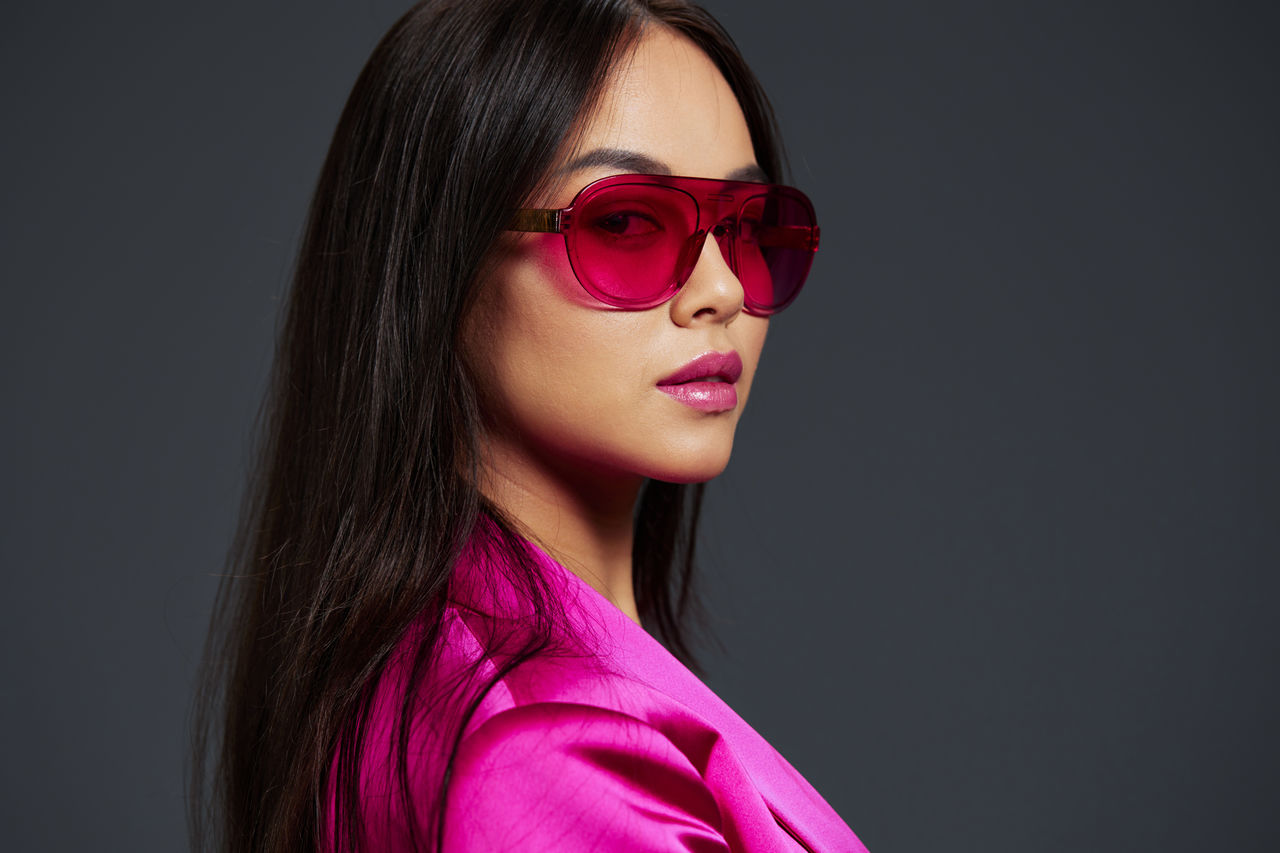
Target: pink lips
<point x="708" y="383"/>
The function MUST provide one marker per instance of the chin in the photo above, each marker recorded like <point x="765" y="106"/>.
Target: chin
<point x="700" y="469"/>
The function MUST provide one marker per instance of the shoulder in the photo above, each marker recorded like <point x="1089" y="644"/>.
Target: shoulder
<point x="565" y="775"/>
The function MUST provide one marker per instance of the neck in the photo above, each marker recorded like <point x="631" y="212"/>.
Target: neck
<point x="582" y="518"/>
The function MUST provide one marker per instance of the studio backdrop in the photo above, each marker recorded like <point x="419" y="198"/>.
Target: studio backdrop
<point x="995" y="562"/>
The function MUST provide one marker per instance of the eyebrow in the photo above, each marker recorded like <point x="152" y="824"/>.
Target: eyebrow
<point x="634" y="161"/>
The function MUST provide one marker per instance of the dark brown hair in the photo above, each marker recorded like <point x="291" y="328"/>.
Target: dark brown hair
<point x="364" y="491"/>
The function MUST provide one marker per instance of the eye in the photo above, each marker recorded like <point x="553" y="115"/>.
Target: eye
<point x="628" y="223"/>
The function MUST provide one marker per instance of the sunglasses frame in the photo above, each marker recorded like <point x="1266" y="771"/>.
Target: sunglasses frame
<point x="708" y="195"/>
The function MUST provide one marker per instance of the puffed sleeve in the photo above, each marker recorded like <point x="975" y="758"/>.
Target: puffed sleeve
<point x="560" y="776"/>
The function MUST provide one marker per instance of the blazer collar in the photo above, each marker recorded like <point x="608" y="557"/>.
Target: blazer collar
<point x="628" y="648"/>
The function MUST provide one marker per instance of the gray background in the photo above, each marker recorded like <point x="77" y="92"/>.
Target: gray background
<point x="995" y="564"/>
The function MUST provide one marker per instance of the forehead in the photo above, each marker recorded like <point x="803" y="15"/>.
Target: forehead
<point x="666" y="101"/>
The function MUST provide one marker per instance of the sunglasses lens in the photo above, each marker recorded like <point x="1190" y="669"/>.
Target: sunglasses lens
<point x="628" y="242"/>
<point x="776" y="241"/>
<point x="633" y="243"/>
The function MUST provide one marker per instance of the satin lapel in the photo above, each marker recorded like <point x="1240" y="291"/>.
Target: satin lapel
<point x="797" y="807"/>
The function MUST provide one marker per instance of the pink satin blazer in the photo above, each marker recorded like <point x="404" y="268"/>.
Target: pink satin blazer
<point x="616" y="746"/>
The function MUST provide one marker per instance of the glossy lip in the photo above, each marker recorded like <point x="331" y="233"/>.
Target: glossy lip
<point x="708" y="383"/>
<point x="726" y="367"/>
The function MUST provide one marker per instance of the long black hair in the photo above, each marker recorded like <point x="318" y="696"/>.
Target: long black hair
<point x="365" y="489"/>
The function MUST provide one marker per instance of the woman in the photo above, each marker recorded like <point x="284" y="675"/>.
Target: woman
<point x="512" y="335"/>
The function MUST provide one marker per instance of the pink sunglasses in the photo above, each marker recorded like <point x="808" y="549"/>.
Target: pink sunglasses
<point x="633" y="240"/>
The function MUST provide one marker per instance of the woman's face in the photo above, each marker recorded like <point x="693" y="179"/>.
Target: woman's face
<point x="572" y="387"/>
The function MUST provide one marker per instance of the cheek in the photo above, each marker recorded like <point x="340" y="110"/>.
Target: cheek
<point x="545" y="353"/>
<point x="520" y="315"/>
<point x="543" y="257"/>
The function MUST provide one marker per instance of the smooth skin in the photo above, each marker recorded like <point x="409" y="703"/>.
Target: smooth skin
<point x="574" y="420"/>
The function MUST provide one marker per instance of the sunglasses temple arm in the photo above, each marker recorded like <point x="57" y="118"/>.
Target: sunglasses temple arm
<point x="536" y="221"/>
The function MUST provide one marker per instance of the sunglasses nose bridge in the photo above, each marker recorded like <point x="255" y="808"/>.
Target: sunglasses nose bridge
<point x="689" y="255"/>
<point x="721" y="210"/>
<point x="717" y="207"/>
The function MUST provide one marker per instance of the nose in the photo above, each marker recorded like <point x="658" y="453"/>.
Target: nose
<point x="712" y="293"/>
